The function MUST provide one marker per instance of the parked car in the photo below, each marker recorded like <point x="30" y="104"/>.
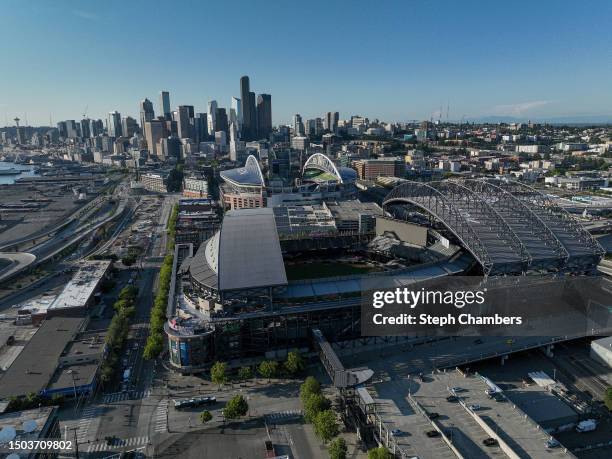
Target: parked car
<point x="474" y="407"/>
<point x="490" y="442"/>
<point x="552" y="443"/>
<point x="397" y="433"/>
<point x="451" y="398"/>
<point x="433" y="415"/>
<point x="456" y="390"/>
<point x="432" y="433"/>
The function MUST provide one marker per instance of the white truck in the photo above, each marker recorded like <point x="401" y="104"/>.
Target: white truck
<point x="586" y="426"/>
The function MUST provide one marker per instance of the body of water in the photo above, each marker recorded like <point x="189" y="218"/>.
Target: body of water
<point x="26" y="171"/>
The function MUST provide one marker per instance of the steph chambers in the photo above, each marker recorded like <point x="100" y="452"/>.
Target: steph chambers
<point x="461" y="319"/>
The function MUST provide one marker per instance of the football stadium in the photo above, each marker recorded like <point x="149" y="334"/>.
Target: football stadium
<point x="271" y="275"/>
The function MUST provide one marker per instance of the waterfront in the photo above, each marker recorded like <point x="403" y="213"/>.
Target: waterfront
<point x="27" y="171"/>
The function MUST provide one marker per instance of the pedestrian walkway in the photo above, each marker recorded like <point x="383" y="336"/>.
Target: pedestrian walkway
<point x="116" y="443"/>
<point x="129" y="395"/>
<point x="160" y="418"/>
<point x="283" y="416"/>
<point x="83" y="423"/>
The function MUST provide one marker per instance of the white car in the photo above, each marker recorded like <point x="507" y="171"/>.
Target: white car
<point x="474" y="407"/>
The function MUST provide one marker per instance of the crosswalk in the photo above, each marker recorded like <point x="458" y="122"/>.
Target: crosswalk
<point x="282" y="416"/>
<point x="116" y="443"/>
<point x="160" y="418"/>
<point x="82" y="424"/>
<point x="130" y="395"/>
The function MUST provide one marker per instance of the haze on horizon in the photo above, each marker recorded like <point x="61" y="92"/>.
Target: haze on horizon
<point x="396" y="61"/>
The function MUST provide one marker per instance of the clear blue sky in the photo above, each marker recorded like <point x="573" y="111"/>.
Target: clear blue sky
<point x="395" y="60"/>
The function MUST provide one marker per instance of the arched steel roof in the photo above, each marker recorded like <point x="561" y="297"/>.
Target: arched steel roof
<point x="250" y="174"/>
<point x="323" y="163"/>
<point x="508" y="226"/>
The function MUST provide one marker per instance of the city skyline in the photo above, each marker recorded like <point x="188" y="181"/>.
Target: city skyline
<point x="417" y="61"/>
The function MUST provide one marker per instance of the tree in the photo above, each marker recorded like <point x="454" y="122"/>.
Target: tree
<point x="218" y="373"/>
<point x="338" y="449"/>
<point x="295" y="363"/>
<point x="245" y="373"/>
<point x="313" y="405"/>
<point x="308" y="387"/>
<point x="236" y="406"/>
<point x="379" y="453"/>
<point x="608" y="398"/>
<point x="268" y="369"/>
<point x="205" y="416"/>
<point x="128" y="260"/>
<point x="325" y="425"/>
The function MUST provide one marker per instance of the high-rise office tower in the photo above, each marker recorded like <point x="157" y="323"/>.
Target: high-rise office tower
<point x="114" y="124"/>
<point x="201" y="127"/>
<point x="298" y="125"/>
<point x="72" y="129"/>
<point x="264" y="116"/>
<point x="164" y="104"/>
<point x="97" y="127"/>
<point x="146" y="111"/>
<point x="331" y="121"/>
<point x="129" y="126"/>
<point x="155" y="130"/>
<point x="86" y="128"/>
<point x="249" y="121"/>
<point x="236" y="112"/>
<point x="220" y="120"/>
<point x="212" y="112"/>
<point x="185" y="121"/>
<point x="63" y="129"/>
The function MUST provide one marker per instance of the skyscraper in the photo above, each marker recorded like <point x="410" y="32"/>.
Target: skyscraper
<point x="212" y="112"/>
<point x="164" y="104"/>
<point x="264" y="116"/>
<point x="331" y="121"/>
<point x="185" y="121"/>
<point x="86" y="128"/>
<point x="155" y="131"/>
<point x="201" y="127"/>
<point x="129" y="126"/>
<point x="146" y="111"/>
<point x="249" y="122"/>
<point x="221" y="120"/>
<point x="298" y="125"/>
<point x="114" y="124"/>
<point x="236" y="112"/>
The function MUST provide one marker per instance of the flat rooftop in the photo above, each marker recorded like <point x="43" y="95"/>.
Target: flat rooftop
<point x="351" y="210"/>
<point x="35" y="421"/>
<point x="82" y="375"/>
<point x="36" y="364"/>
<point x="82" y="286"/>
<point x="87" y="343"/>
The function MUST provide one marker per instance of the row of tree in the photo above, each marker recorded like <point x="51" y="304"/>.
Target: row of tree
<point x="292" y="366"/>
<point x="32" y="400"/>
<point x="155" y="341"/>
<point x="318" y="412"/>
<point x="124" y="307"/>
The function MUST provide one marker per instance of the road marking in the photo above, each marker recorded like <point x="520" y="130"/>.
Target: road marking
<point x="283" y="416"/>
<point x="161" y="417"/>
<point x="116" y="443"/>
<point x="83" y="423"/>
<point x="120" y="396"/>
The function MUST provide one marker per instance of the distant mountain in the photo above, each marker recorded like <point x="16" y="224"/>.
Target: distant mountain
<point x="574" y="120"/>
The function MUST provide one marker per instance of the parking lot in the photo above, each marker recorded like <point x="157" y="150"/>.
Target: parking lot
<point x="397" y="413"/>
